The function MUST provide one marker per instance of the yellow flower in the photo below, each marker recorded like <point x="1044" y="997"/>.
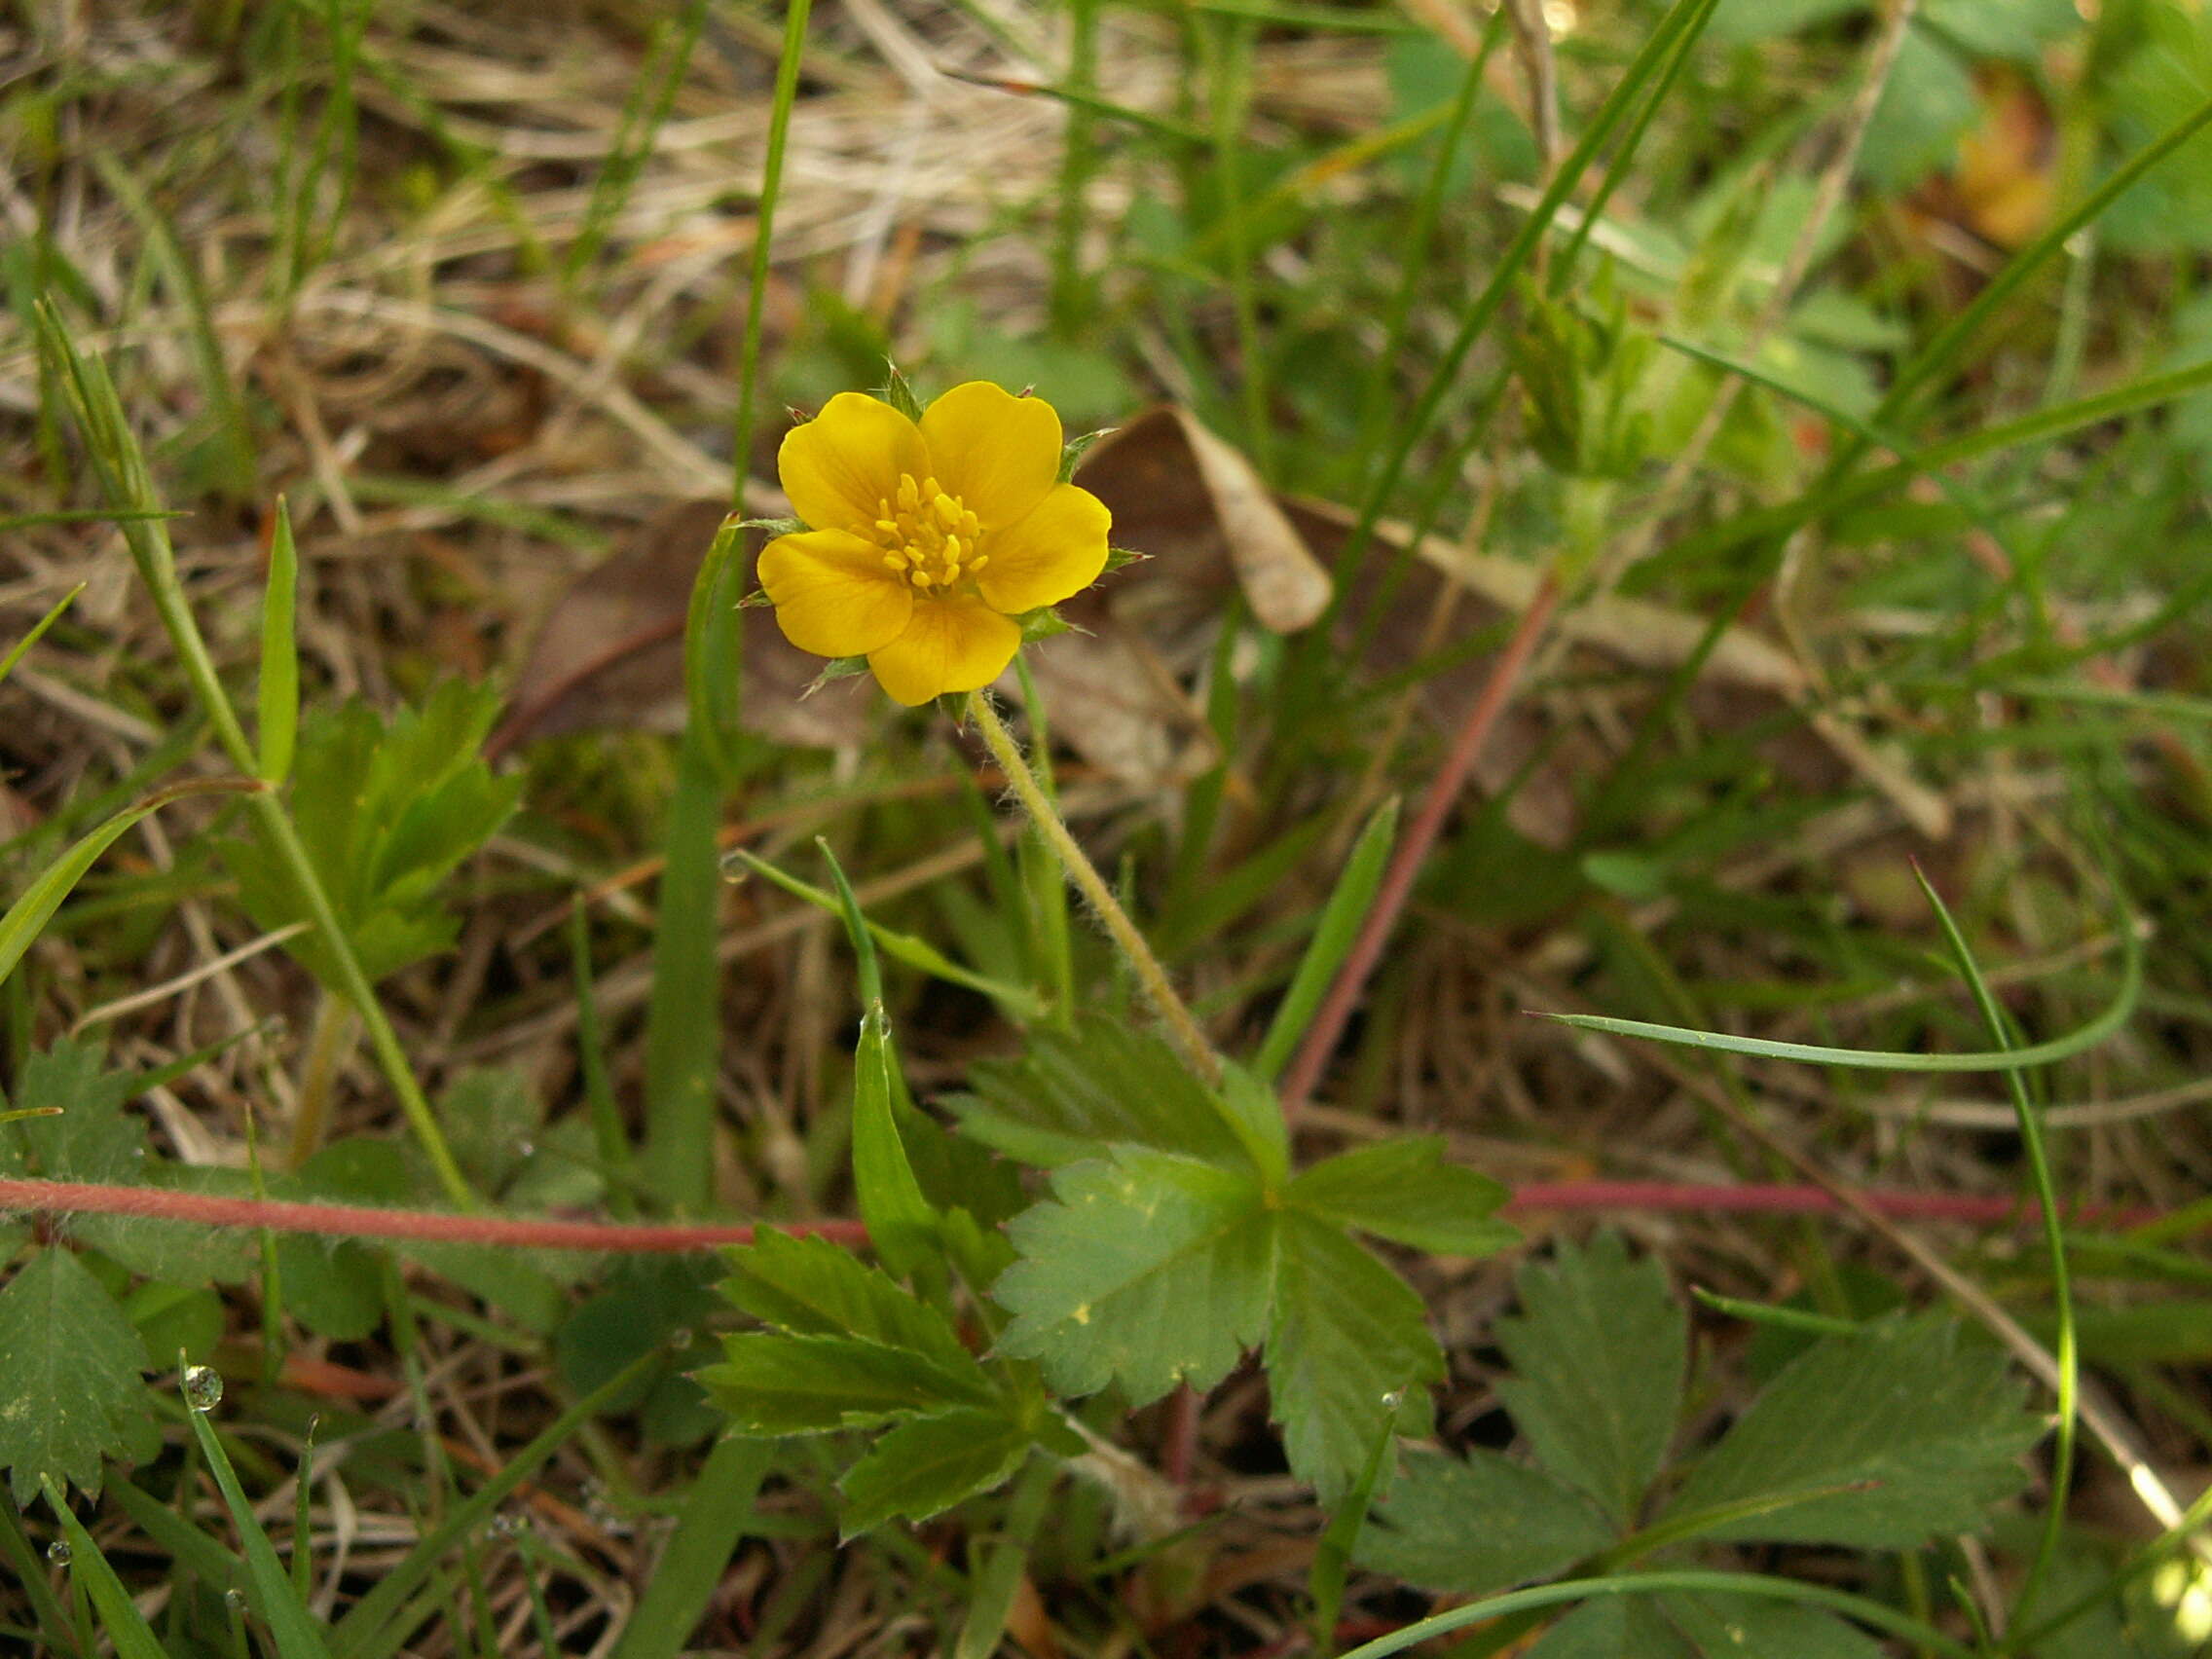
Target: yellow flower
<point x="926" y="541"/>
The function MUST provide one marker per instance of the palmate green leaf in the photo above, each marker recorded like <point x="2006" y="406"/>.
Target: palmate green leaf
<point x="1147" y="1270"/>
<point x="388" y="812"/>
<point x="1598" y="1353"/>
<point x="85" y="1135"/>
<point x="1730" y="1627"/>
<point x="924" y="1467"/>
<point x="1404" y="1190"/>
<point x="1101" y="1085"/>
<point x="1614" y="1629"/>
<point x="1348" y="1336"/>
<point x="1877" y="1441"/>
<point x="1478" y="1523"/>
<point x="70" y="1391"/>
<point x="770" y="1384"/>
<point x="810" y="1287"/>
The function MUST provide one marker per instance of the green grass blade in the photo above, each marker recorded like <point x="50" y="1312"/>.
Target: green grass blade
<point x="124" y="1625"/>
<point x="279" y="700"/>
<point x="374" y="1627"/>
<point x="1877" y="1615"/>
<point x="239" y="471"/>
<point x="269" y="1587"/>
<point x="644" y="112"/>
<point x="1683" y="22"/>
<point x="34" y="906"/>
<point x="2066" y="1349"/>
<point x="2084" y="1036"/>
<point x="16" y="653"/>
<point x="682" y="1020"/>
<point x="121" y="464"/>
<point x="1332" y="939"/>
<point x="692" y="1566"/>
<point x="1018" y="1001"/>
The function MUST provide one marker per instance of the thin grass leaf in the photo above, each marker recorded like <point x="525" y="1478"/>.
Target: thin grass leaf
<point x="698" y="1551"/>
<point x="124" y="1625"/>
<point x="1332" y="938"/>
<point x="16" y="653"/>
<point x="1683" y="21"/>
<point x="2066" y="1349"/>
<point x="278" y="725"/>
<point x="236" y="425"/>
<point x="1879" y="1615"/>
<point x="644" y="113"/>
<point x="1019" y="1002"/>
<point x="1782" y="1319"/>
<point x="2084" y="1036"/>
<point x="377" y="1625"/>
<point x="295" y="1632"/>
<point x="121" y="464"/>
<point x="34" y="907"/>
<point x="1332" y="1554"/>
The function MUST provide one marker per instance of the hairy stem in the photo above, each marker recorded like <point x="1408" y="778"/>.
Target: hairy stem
<point x="1182" y="1028"/>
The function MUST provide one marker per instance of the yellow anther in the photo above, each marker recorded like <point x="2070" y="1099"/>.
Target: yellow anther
<point x="910" y="497"/>
<point x="888" y="526"/>
<point x="947" y="510"/>
<point x="977" y="562"/>
<point x="952" y="548"/>
<point x="896" y="561"/>
<point x="920" y="579"/>
<point x="952" y="570"/>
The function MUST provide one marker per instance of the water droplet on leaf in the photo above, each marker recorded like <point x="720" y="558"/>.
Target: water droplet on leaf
<point x="203" y="1388"/>
<point x="59" y="1553"/>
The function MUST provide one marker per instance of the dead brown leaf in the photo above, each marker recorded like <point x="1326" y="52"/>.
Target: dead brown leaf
<point x="610" y="653"/>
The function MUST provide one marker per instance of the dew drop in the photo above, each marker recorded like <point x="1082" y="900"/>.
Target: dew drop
<point x="59" y="1553"/>
<point x="203" y="1388"/>
<point x="526" y="1149"/>
<point x="507" y="1526"/>
<point x="235" y="1600"/>
<point x="681" y="1338"/>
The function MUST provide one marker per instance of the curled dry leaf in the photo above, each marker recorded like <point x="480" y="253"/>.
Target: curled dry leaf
<point x="611" y="651"/>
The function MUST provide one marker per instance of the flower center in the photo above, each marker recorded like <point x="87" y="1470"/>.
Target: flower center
<point x="929" y="538"/>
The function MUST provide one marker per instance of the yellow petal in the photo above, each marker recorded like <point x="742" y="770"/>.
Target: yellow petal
<point x="1055" y="551"/>
<point x="833" y="594"/>
<point x="841" y="464"/>
<point x="998" y="453"/>
<point x="953" y="643"/>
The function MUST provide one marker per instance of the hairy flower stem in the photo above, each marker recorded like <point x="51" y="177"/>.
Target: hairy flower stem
<point x="1182" y="1028"/>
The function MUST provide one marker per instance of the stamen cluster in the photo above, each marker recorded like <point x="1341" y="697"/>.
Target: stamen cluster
<point x="931" y="537"/>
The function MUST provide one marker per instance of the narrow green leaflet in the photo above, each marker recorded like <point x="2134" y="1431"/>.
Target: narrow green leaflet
<point x="69" y="1379"/>
<point x="1348" y="1333"/>
<point x="1877" y="1441"/>
<point x="900" y="1224"/>
<point x="1478" y="1523"/>
<point x="779" y="1384"/>
<point x="1148" y="1271"/>
<point x="1101" y="1085"/>
<point x="1598" y="1353"/>
<point x="1404" y="1190"/>
<point x="926" y="1467"/>
<point x="810" y="1287"/>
